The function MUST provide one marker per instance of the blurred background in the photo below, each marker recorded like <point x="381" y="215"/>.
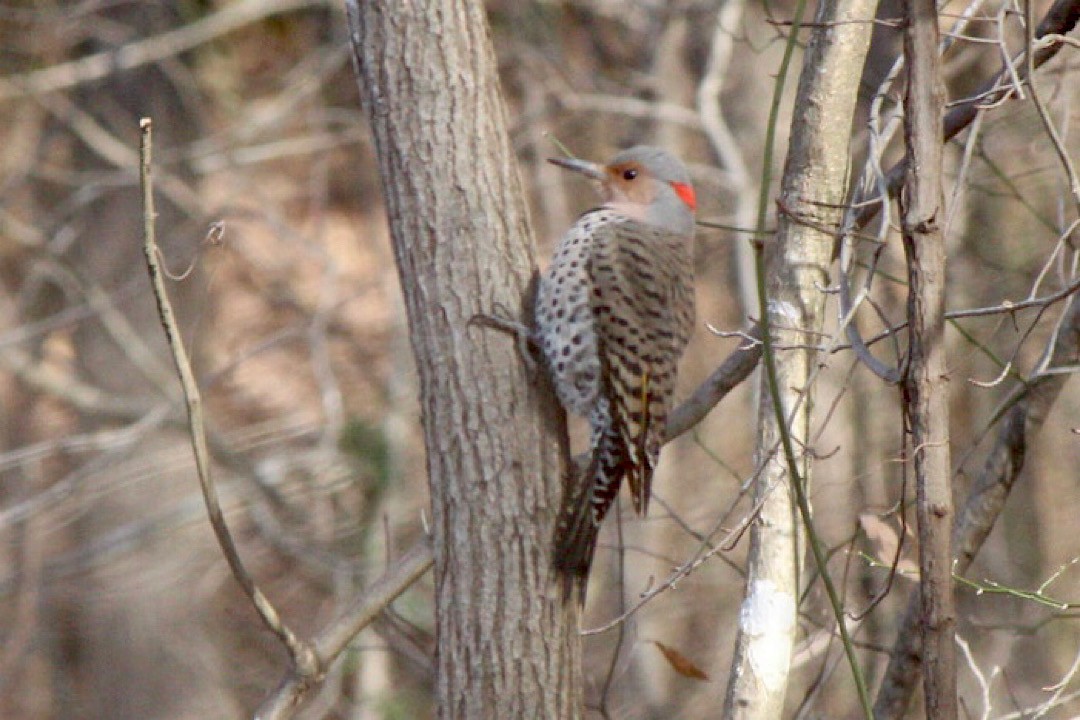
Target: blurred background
<point x="115" y="601"/>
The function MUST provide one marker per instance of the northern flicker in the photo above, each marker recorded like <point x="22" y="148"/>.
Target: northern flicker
<point x="614" y="312"/>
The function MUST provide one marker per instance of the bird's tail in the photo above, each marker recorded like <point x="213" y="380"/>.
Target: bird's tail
<point x="589" y="495"/>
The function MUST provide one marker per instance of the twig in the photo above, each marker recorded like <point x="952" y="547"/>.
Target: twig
<point x="1025" y="713"/>
<point x="303" y="657"/>
<point x="152" y="49"/>
<point x="1060" y="19"/>
<point x="329" y="643"/>
<point x="984" y="503"/>
<point x="620" y="641"/>
<point x="992" y="587"/>
<point x="1006" y="307"/>
<point x="1058" y="689"/>
<point x="980" y="677"/>
<point x="736" y="368"/>
<point x="1011" y="307"/>
<point x="1044" y="114"/>
<point x="679" y="573"/>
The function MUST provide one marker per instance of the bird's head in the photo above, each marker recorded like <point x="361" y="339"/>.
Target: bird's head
<point x="645" y="183"/>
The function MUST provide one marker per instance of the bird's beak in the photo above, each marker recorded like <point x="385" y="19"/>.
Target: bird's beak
<point x="586" y="168"/>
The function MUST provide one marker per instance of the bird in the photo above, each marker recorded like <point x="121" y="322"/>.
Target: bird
<point x="614" y="311"/>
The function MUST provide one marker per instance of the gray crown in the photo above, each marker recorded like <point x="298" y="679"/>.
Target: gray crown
<point x="660" y="162"/>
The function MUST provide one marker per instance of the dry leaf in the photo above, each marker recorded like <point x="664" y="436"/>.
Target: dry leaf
<point x="680" y="663"/>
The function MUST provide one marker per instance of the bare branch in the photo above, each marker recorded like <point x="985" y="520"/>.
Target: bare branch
<point x="329" y="643"/>
<point x="303" y="657"/>
<point x="1044" y="114"/>
<point x="94" y="67"/>
<point x="1059" y="20"/>
<point x="736" y="368"/>
<point x="81" y="395"/>
<point x="925" y="389"/>
<point x="984" y="504"/>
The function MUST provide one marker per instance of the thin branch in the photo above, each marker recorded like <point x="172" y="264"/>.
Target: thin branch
<point x="1011" y="307"/>
<point x="1058" y="689"/>
<point x="303" y="657"/>
<point x="980" y="677"/>
<point x="331" y="641"/>
<point x="736" y="368"/>
<point x="1059" y="20"/>
<point x="985" y="502"/>
<point x="924" y="387"/>
<point x="1006" y="307"/>
<point x="143" y="52"/>
<point x="1044" y="114"/>
<point x="681" y="572"/>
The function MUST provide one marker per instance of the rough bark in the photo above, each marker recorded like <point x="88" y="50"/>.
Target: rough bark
<point x="507" y="644"/>
<point x="813" y="189"/>
<point x="925" y="384"/>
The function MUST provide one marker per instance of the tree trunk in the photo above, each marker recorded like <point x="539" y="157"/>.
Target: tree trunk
<point x="814" y="186"/>
<point x="507" y="644"/>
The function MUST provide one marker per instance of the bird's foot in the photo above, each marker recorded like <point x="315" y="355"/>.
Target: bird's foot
<point x="526" y="341"/>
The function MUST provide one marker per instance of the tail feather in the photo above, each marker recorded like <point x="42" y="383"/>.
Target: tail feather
<point x="575" y="545"/>
<point x="591" y="493"/>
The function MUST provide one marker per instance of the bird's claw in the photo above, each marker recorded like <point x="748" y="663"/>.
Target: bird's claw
<point x="501" y="320"/>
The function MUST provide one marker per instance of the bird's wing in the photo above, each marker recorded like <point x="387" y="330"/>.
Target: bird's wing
<point x="644" y="309"/>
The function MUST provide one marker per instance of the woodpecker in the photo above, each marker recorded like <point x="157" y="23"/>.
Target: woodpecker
<point x="614" y="312"/>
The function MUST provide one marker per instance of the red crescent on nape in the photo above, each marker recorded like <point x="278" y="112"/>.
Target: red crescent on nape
<point x="685" y="191"/>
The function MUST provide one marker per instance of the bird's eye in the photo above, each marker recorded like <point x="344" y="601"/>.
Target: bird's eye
<point x="629" y="174"/>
